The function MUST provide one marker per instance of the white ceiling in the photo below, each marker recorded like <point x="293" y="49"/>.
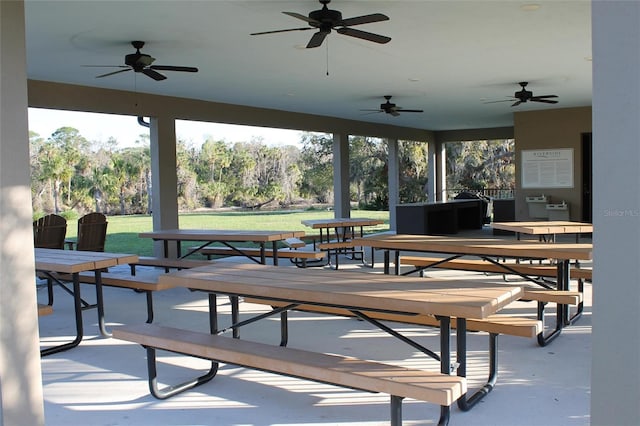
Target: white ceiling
<point x="445" y="57"/>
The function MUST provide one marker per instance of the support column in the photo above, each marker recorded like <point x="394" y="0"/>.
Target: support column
<point x="393" y="180"/>
<point x="432" y="179"/>
<point x="341" y="199"/>
<point x="440" y="155"/>
<point x="21" y="401"/>
<point x="164" y="178"/>
<point x="615" y="388"/>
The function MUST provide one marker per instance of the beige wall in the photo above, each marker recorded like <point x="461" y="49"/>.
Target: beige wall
<point x="557" y="128"/>
<point x="44" y="94"/>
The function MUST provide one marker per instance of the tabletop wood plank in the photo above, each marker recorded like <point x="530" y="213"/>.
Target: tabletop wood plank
<point x="405" y="295"/>
<point x="341" y="222"/>
<point x="494" y="247"/>
<point x="545" y="227"/>
<point x="72" y="261"/>
<point x="220" y="235"/>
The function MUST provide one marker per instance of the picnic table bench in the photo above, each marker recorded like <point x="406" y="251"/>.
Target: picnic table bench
<point x="44" y="309"/>
<point x="539" y="295"/>
<point x="144" y="283"/>
<point x="489" y="250"/>
<point x="336" y="236"/>
<point x="296" y="251"/>
<point x="353" y="373"/>
<point x="167" y="263"/>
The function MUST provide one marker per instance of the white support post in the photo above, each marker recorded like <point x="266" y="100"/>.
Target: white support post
<point x="615" y="388"/>
<point x="342" y="205"/>
<point x="393" y="180"/>
<point x="164" y="178"/>
<point x="21" y="399"/>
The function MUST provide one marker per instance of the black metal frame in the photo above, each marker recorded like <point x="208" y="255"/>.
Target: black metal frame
<point x="465" y="403"/>
<point x="343" y="234"/>
<point x="77" y="301"/>
<point x="395" y="401"/>
<point x="563" y="316"/>
<point x="261" y="261"/>
<point x="99" y="305"/>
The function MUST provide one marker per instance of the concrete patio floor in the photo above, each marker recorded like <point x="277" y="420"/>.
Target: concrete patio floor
<point x="104" y="381"/>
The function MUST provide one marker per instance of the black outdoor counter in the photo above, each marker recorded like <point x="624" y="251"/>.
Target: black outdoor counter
<point x="439" y="217"/>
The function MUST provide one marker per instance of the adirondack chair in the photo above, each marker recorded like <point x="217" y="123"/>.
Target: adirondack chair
<point x="92" y="232"/>
<point x="49" y="232"/>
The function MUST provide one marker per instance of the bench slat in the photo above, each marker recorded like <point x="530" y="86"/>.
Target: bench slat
<point x="170" y="263"/>
<point x="167" y="263"/>
<point x="134" y="282"/>
<point x="288" y="253"/>
<point x="563" y="297"/>
<point x="44" y="309"/>
<point x="422" y="385"/>
<point x="335" y="245"/>
<point x="295" y="243"/>
<point x="479" y="265"/>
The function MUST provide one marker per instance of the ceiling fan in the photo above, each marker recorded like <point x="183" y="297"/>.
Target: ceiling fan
<point x="524" y="95"/>
<point x="140" y="62"/>
<point x="390" y="108"/>
<point x="325" y="20"/>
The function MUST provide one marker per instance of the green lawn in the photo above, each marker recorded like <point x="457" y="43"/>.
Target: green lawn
<point x="122" y="232"/>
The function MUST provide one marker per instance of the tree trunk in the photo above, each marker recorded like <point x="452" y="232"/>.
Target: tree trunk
<point x="56" y="194"/>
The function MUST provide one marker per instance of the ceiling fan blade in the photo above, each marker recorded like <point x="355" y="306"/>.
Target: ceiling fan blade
<point x="546" y="101"/>
<point x="494" y="102"/>
<point x="317" y="39"/>
<point x="376" y="38"/>
<point x="365" y="19"/>
<point x="173" y="68"/>
<point x="516" y="103"/>
<point x="105" y="66"/>
<point x="409" y="110"/>
<point x="112" y="73"/>
<point x="153" y="74"/>
<point x="543" y="96"/>
<point x="302" y="17"/>
<point x="283" y="31"/>
<point x="394" y="113"/>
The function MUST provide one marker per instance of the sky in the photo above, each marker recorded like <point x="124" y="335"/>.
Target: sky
<point x="126" y="130"/>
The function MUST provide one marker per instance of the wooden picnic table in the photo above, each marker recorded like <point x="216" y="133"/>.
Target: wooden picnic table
<point x="480" y="247"/>
<point x="336" y="235"/>
<point x="347" y="222"/>
<point x="54" y="261"/>
<point x="357" y="292"/>
<point x="489" y="250"/>
<point x="226" y="237"/>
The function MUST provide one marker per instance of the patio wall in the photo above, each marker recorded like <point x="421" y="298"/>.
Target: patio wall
<point x="557" y="128"/>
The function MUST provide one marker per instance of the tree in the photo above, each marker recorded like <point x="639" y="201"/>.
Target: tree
<point x="368" y="171"/>
<point x="413" y="158"/>
<point x="215" y="159"/>
<point x="317" y="174"/>
<point x="480" y="164"/>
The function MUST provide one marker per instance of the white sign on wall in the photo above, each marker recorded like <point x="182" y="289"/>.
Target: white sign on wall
<point x="547" y="168"/>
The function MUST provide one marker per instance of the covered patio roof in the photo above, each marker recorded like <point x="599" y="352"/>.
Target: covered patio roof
<point x="451" y="59"/>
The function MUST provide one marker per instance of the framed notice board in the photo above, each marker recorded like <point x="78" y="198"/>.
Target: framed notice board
<point x="547" y="168"/>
